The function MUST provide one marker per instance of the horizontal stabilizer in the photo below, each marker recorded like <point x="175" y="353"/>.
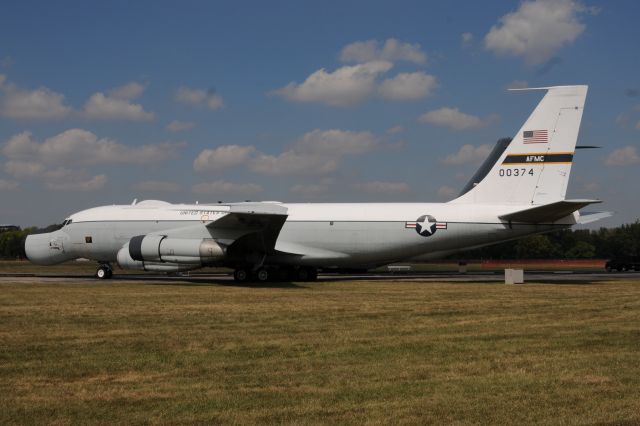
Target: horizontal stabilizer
<point x="593" y="217"/>
<point x="548" y="212"/>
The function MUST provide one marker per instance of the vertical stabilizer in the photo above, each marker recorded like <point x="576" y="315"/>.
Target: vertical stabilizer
<point x="535" y="167"/>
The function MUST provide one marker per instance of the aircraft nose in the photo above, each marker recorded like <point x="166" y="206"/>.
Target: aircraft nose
<point x="46" y="249"/>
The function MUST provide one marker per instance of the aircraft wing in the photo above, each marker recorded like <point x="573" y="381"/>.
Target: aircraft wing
<point x="250" y="227"/>
<point x="548" y="212"/>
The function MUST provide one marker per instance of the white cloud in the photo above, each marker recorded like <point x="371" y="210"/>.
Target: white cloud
<point x="102" y="107"/>
<point x="226" y="188"/>
<point x="623" y="157"/>
<point x="199" y="97"/>
<point x="466" y="39"/>
<point x="156" y="186"/>
<point x="395" y="130"/>
<point x="317" y="153"/>
<point x="537" y="30"/>
<point x="468" y="154"/>
<point x="378" y="187"/>
<point x="293" y="163"/>
<point x="177" y="126"/>
<point x="346" y="86"/>
<point x="93" y="184"/>
<point x="223" y="157"/>
<point x="454" y="119"/>
<point x="49" y="161"/>
<point x="393" y="50"/>
<point x="8" y="185"/>
<point x="38" y="104"/>
<point x="24" y="169"/>
<point x="77" y="146"/>
<point x="407" y="86"/>
<point x="335" y="142"/>
<point x="129" y="91"/>
<point x="57" y="179"/>
<point x="447" y="193"/>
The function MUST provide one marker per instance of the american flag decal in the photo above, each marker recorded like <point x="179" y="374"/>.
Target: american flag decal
<point x="535" y="136"/>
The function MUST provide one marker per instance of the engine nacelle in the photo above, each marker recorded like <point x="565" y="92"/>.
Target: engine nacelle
<point x="126" y="262"/>
<point x="162" y="249"/>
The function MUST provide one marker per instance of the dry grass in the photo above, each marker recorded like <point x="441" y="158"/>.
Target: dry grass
<point x="345" y="352"/>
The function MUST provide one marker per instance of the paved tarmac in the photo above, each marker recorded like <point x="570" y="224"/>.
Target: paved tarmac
<point x="533" y="276"/>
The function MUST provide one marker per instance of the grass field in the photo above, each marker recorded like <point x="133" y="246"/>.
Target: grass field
<point x="341" y="352"/>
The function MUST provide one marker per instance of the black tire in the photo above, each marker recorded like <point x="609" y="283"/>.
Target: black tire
<point x="241" y="275"/>
<point x="263" y="275"/>
<point x="307" y="274"/>
<point x="103" y="272"/>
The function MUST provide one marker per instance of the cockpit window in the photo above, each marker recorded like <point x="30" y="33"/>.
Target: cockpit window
<point x="66" y="222"/>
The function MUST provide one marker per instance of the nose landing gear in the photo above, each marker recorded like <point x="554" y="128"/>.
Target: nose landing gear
<point x="104" y="271"/>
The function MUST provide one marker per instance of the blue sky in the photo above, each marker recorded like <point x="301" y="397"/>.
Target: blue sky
<point x="101" y="103"/>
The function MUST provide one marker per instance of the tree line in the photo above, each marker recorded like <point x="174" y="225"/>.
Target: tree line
<point x="622" y="242"/>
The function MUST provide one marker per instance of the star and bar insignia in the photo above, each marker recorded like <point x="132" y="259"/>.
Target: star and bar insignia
<point x="426" y="225"/>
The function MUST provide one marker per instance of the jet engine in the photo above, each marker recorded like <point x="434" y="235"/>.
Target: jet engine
<point x="167" y="254"/>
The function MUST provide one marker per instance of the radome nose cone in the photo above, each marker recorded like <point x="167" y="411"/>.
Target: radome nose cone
<point x="46" y="249"/>
<point x="26" y="252"/>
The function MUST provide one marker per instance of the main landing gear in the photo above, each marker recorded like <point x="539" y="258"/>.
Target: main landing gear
<point x="265" y="274"/>
<point x="104" y="271"/>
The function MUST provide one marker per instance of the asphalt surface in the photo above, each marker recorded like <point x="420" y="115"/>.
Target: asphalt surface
<point x="533" y="276"/>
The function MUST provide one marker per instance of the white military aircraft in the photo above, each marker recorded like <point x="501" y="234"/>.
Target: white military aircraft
<point x="519" y="191"/>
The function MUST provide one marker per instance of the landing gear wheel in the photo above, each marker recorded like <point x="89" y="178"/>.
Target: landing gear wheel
<point x="104" y="272"/>
<point x="307" y="274"/>
<point x="241" y="275"/>
<point x="262" y="275"/>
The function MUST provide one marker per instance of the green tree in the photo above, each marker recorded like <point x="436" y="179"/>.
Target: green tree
<point x="581" y="250"/>
<point x="535" y="247"/>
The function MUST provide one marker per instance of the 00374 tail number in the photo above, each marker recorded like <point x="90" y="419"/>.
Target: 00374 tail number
<point x="508" y="172"/>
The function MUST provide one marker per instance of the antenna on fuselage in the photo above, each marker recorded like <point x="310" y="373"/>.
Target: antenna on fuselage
<point x="134" y="202"/>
